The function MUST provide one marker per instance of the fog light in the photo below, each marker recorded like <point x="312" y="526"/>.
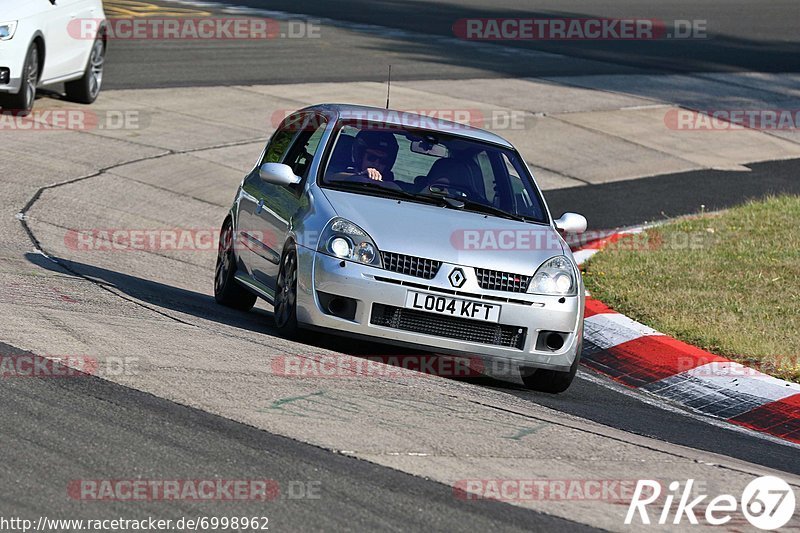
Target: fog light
<point x="5" y="76"/>
<point x="552" y="341"/>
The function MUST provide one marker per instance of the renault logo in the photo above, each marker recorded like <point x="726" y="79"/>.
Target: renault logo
<point x="457" y="278"/>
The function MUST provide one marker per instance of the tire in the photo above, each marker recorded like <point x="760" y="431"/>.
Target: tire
<point x="226" y="290"/>
<point x="286" y="294"/>
<point x="551" y="381"/>
<point x="21" y="104"/>
<point x="86" y="89"/>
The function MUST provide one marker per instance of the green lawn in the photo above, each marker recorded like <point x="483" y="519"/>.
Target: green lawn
<point x="728" y="283"/>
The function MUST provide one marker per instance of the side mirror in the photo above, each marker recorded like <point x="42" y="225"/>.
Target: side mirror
<point x="571" y="223"/>
<point x="278" y="174"/>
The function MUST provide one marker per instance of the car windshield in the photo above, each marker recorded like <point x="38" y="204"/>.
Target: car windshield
<point x="431" y="166"/>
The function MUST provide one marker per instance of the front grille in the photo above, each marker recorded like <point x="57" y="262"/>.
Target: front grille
<point x="494" y="280"/>
<point x="447" y="326"/>
<point x="410" y="265"/>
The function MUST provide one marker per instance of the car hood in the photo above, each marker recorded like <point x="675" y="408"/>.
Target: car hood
<point x="16" y="10"/>
<point x="449" y="235"/>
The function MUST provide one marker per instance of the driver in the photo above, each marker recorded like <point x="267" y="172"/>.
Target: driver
<point x="374" y="154"/>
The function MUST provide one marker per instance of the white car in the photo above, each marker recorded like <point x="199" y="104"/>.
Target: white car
<point x="43" y="42"/>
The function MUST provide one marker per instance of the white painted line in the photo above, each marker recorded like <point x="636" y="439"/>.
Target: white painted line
<point x="607" y="330"/>
<point x="737" y="377"/>
<point x="717" y="389"/>
<point x="659" y="402"/>
<point x="581" y="256"/>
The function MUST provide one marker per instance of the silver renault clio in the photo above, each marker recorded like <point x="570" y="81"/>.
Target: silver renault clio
<point x="408" y="230"/>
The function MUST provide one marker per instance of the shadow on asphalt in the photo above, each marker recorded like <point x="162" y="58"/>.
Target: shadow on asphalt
<point x="68" y="427"/>
<point x="586" y="399"/>
<point x="725" y="50"/>
<point x="625" y="203"/>
<point x="165" y="297"/>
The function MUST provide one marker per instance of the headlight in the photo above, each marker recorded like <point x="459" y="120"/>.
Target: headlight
<point x="7" y="30"/>
<point x="556" y="276"/>
<point x="343" y="239"/>
<point x="341" y="247"/>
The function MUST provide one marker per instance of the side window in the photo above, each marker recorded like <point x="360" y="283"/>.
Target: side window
<point x="521" y="195"/>
<point x="487" y="172"/>
<point x="512" y="172"/>
<point x="281" y="140"/>
<point x="277" y="146"/>
<point x="302" y="151"/>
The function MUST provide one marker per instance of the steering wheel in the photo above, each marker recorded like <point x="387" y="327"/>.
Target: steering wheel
<point x="461" y="191"/>
<point x="383" y="183"/>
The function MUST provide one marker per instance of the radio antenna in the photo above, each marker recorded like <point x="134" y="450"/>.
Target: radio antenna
<point x="388" y="87"/>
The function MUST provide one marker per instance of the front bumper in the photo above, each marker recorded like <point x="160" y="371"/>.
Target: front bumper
<point x="369" y="286"/>
<point x="12" y="57"/>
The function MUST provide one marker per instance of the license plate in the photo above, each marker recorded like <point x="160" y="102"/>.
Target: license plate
<point x="444" y="305"/>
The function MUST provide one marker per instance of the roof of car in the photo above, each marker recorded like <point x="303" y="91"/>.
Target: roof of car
<point x="408" y="119"/>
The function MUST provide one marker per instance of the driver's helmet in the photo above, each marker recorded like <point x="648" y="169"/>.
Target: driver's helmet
<point x="375" y="140"/>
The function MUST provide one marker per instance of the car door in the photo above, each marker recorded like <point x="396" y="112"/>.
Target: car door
<point x="281" y="203"/>
<point x="258" y="245"/>
<point x="89" y="13"/>
<point x="61" y="26"/>
<point x="276" y="204"/>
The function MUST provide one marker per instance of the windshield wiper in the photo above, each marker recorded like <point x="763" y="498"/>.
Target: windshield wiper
<point x="374" y="186"/>
<point x="471" y="205"/>
<point x="492" y="210"/>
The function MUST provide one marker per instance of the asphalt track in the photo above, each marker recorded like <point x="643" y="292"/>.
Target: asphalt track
<point x="56" y="430"/>
<point x="416" y="37"/>
<point x="628" y="203"/>
<point x="128" y="434"/>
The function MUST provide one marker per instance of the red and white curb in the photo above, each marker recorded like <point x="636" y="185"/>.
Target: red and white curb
<point x="640" y="357"/>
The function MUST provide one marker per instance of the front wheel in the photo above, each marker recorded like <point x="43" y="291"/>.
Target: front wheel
<point x="551" y="381"/>
<point x="286" y="294"/>
<point x="21" y="103"/>
<point x="86" y="89"/>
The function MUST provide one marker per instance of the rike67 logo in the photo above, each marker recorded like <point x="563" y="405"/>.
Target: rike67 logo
<point x="767" y="502"/>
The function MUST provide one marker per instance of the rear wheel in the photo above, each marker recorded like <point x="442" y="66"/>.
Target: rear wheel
<point x="226" y="290"/>
<point x="86" y="89"/>
<point x="286" y="294"/>
<point x="21" y="103"/>
<point x="551" y="381"/>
